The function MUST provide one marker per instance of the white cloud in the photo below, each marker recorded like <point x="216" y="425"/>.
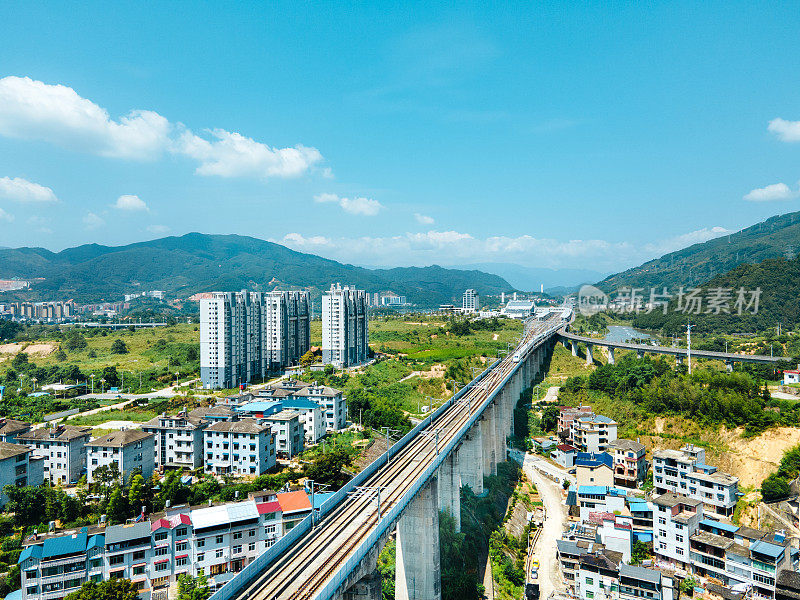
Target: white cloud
<point x="131" y="203"/>
<point x="787" y="131"/>
<point x="685" y="240"/>
<point x="32" y="109"/>
<point x="57" y="114"/>
<point x="776" y="191"/>
<point x="454" y="248"/>
<point x="4" y="216"/>
<point x="424" y="219"/>
<point x="354" y="206"/>
<point x="22" y="190"/>
<point x="158" y="229"/>
<point x="93" y="221"/>
<point x="234" y="155"/>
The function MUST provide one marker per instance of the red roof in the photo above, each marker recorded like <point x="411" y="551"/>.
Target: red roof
<point x="566" y="448"/>
<point x="171" y="521"/>
<point x="294" y="501"/>
<point x="793" y="371"/>
<point x="268" y="507"/>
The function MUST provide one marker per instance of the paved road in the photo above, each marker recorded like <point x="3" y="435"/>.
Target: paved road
<point x="555" y="515"/>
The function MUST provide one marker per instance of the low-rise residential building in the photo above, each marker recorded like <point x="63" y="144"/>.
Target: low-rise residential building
<point x="566" y="415"/>
<point x="288" y="431"/>
<point x="217" y="541"/>
<point x="18" y="467"/>
<point x="788" y="585"/>
<point x="684" y="472"/>
<point x="675" y="518"/>
<point x="129" y="449"/>
<point x="569" y="553"/>
<point x="63" y="448"/>
<point x="311" y="417"/>
<point x="178" y="440"/>
<point x="594" y="469"/>
<point x="242" y="447"/>
<point x="331" y="401"/>
<point x="593" y="433"/>
<point x="598" y="575"/>
<point x="630" y="465"/>
<point x="10" y="429"/>
<point x="565" y="455"/>
<point x="636" y="583"/>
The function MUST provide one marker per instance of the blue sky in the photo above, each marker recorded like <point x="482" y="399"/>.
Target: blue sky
<point x="560" y="135"/>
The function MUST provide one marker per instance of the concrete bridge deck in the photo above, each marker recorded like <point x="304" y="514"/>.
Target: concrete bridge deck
<point x="678" y="353"/>
<point x="455" y="446"/>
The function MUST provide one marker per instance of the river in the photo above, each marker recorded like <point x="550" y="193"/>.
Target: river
<point x="625" y="333"/>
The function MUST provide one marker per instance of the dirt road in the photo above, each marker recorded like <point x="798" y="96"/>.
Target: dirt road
<point x="555" y="515"/>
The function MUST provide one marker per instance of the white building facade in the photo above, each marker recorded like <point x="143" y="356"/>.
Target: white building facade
<point x="239" y="448"/>
<point x="246" y="335"/>
<point x="130" y="450"/>
<point x="345" y="326"/>
<point x="63" y="448"/>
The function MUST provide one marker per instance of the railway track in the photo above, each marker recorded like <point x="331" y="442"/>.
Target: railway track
<point x="302" y="572"/>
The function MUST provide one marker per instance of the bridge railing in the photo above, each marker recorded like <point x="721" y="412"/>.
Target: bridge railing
<point x="251" y="572"/>
<point x="333" y="586"/>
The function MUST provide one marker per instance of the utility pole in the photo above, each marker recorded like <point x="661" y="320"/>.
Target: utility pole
<point x="689" y="346"/>
<point x="389" y="432"/>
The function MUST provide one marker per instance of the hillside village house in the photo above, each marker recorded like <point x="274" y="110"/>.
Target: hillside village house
<point x="129" y="450"/>
<point x="63" y="448"/>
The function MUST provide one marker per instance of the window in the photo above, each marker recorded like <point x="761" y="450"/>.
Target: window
<point x="589" y="594"/>
<point x="251" y="546"/>
<point x="218" y="539"/>
<point x="163" y="551"/>
<point x="589" y="581"/>
<point x="219" y="553"/>
<point x="201" y="542"/>
<point x="163" y="566"/>
<point x="237" y="535"/>
<point x="201" y="556"/>
<point x="679" y="551"/>
<point x="180" y="547"/>
<point x="138" y="570"/>
<point x="138" y="555"/>
<point x="679" y="538"/>
<point x="180" y="562"/>
<point x="180" y="531"/>
<point x="252" y="533"/>
<point x="160" y="536"/>
<point x="116" y="560"/>
<point x="237" y="549"/>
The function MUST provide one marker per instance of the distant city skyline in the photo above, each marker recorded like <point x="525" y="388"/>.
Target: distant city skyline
<point x="571" y="137"/>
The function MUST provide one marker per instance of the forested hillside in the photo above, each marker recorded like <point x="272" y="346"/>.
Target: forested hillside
<point x="197" y="262"/>
<point x="779" y="302"/>
<point x="778" y="236"/>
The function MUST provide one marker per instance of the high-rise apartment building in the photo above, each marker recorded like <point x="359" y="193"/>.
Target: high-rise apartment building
<point x="469" y="302"/>
<point x="245" y="335"/>
<point x="345" y="335"/>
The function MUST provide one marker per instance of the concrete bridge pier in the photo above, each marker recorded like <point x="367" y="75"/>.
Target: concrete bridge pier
<point x="367" y="588"/>
<point x="469" y="460"/>
<point x="487" y="441"/>
<point x="678" y="360"/>
<point x="640" y="354"/>
<point x="418" y="570"/>
<point x="729" y="365"/>
<point x="449" y="489"/>
<point x="500" y="426"/>
<point x="589" y="357"/>
<point x="574" y="348"/>
<point x="611" y="355"/>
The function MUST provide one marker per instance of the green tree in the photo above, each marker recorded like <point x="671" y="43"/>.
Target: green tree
<point x="191" y="588"/>
<point x="74" y="341"/>
<point x="113" y="589"/>
<point x="550" y="418"/>
<point x="136" y="493"/>
<point x="20" y="361"/>
<point x="60" y="355"/>
<point x="192" y="354"/>
<point x="327" y="468"/>
<point x="111" y="376"/>
<point x="119" y="347"/>
<point x="117" y="506"/>
<point x="307" y="359"/>
<point x="775" y="488"/>
<point x="640" y="551"/>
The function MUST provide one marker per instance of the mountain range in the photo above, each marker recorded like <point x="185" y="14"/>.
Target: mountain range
<point x="195" y="262"/>
<point x="776" y="237"/>
<point x="532" y="279"/>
